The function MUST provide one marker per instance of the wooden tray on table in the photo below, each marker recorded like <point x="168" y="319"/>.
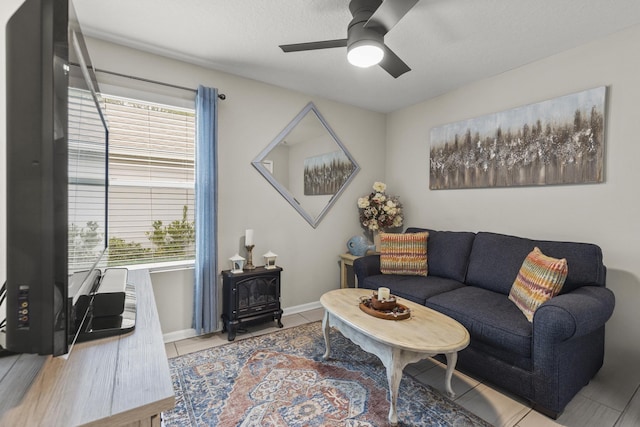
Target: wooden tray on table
<point x="400" y="312"/>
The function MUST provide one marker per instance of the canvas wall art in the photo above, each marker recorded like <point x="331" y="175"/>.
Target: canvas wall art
<point x="326" y="174"/>
<point x="558" y="141"/>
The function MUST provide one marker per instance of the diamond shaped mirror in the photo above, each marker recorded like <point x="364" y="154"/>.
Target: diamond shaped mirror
<point x="308" y="165"/>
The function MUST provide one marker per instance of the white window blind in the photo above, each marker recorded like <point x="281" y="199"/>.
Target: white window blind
<point x="151" y="182"/>
<point x="87" y="165"/>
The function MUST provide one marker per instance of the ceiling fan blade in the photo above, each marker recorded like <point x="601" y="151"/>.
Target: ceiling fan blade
<point x="388" y="15"/>
<point x="392" y="64"/>
<point x="326" y="44"/>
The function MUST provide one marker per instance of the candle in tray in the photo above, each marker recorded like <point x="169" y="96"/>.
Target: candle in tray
<point x="383" y="294"/>
<point x="248" y="237"/>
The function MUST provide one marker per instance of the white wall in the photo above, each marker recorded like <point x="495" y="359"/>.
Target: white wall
<point x="606" y="214"/>
<point x="249" y="119"/>
<point x="173" y="291"/>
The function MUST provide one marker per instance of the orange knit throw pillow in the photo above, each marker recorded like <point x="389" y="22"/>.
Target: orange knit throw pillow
<point x="404" y="253"/>
<point x="540" y="278"/>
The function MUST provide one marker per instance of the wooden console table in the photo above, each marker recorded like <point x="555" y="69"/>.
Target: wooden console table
<point x="114" y="381"/>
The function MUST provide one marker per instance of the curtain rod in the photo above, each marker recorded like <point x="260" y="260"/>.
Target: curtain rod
<point x="221" y="96"/>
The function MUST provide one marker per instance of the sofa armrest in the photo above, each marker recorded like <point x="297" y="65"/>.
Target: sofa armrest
<point x="568" y="344"/>
<point x="574" y="314"/>
<point x="368" y="265"/>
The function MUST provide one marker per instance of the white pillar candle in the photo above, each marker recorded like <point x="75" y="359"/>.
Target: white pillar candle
<point x="383" y="294"/>
<point x="248" y="237"/>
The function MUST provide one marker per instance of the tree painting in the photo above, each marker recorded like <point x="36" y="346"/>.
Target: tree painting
<point x="326" y="174"/>
<point x="558" y="141"/>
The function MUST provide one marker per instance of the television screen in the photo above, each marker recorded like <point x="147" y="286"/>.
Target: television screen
<point x="87" y="145"/>
<point x="87" y="142"/>
<point x="56" y="179"/>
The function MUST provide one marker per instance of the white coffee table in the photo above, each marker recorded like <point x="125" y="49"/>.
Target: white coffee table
<point x="396" y="342"/>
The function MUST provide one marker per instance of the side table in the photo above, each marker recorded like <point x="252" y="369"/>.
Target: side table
<point x="346" y="260"/>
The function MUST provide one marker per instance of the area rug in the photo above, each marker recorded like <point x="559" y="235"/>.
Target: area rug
<point x="281" y="379"/>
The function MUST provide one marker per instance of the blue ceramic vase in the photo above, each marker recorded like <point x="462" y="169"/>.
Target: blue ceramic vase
<point x="359" y="246"/>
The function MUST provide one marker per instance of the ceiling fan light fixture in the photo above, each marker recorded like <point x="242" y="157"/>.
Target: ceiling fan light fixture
<point x="365" y="53"/>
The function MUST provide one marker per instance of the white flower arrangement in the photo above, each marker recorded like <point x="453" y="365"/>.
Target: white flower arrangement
<point x="378" y="211"/>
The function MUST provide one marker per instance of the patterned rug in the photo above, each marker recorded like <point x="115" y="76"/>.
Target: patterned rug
<point x="280" y="379"/>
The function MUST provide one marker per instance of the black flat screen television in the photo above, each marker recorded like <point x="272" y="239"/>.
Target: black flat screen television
<point x="57" y="179"/>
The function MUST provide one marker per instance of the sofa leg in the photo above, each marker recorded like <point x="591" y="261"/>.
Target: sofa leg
<point x="547" y="412"/>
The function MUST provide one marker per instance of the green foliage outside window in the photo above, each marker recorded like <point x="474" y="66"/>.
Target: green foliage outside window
<point x="170" y="242"/>
<point x="121" y="251"/>
<point x="173" y="241"/>
<point x="82" y="243"/>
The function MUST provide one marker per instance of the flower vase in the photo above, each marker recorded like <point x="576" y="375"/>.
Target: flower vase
<point x="376" y="241"/>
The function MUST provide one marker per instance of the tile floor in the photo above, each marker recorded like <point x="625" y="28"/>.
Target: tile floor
<point x="611" y="399"/>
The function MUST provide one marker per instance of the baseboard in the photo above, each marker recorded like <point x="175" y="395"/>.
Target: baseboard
<point x="190" y="333"/>
<point x="179" y="335"/>
<point x="301" y="308"/>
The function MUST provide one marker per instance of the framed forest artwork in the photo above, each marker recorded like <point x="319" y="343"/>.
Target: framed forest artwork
<point x="558" y="141"/>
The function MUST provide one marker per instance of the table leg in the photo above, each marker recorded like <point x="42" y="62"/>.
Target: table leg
<point x="394" y="359"/>
<point x="452" y="359"/>
<point x="394" y="375"/>
<point x="325" y="331"/>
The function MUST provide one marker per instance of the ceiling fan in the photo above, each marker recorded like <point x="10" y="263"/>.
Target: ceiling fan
<point x="372" y="19"/>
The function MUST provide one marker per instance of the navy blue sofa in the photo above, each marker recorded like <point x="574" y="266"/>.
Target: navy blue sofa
<point x="546" y="361"/>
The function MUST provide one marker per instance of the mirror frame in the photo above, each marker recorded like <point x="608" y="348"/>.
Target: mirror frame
<point x="259" y="165"/>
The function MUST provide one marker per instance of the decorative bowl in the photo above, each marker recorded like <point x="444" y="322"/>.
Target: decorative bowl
<point x="383" y="305"/>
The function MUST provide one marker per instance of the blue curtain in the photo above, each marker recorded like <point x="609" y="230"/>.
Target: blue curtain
<point x="205" y="309"/>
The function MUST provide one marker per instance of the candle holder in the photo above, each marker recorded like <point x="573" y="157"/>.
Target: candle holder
<point x="249" y="265"/>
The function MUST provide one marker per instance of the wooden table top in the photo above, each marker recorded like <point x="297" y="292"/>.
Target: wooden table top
<point x="426" y="331"/>
<point x="112" y="381"/>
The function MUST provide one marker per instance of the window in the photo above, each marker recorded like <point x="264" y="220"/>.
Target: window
<point x="87" y="172"/>
<point x="151" y="182"/>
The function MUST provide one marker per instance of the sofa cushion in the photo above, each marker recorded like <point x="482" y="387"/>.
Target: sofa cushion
<point x="413" y="288"/>
<point x="448" y="252"/>
<point x="540" y="278"/>
<point x="488" y="316"/>
<point x="496" y="259"/>
<point x="403" y="253"/>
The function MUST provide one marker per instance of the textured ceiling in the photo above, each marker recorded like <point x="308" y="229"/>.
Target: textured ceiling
<point x="447" y="43"/>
